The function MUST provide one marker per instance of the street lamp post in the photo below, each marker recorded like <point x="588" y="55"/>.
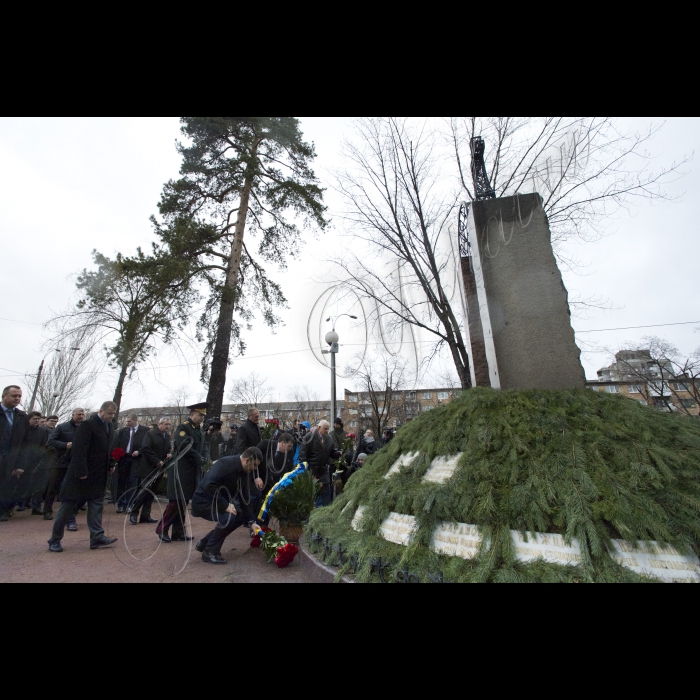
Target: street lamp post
<point x="38" y="376"/>
<point x="333" y="340"/>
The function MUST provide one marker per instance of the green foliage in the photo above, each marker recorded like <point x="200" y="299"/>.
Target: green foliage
<point x="584" y="465"/>
<point x="294" y="504"/>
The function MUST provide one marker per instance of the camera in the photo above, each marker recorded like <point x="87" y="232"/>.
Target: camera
<point x="216" y="423"/>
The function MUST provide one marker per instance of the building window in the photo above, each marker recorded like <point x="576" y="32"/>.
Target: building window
<point x="427" y="396"/>
<point x="679" y="387"/>
<point x="427" y="408"/>
<point x="411" y="396"/>
<point x="443" y="396"/>
<point x="644" y="403"/>
<point x="612" y="389"/>
<point x="634" y="390"/>
<point x="353" y="411"/>
<point x="353" y="424"/>
<point x="352" y="399"/>
<point x="688" y="403"/>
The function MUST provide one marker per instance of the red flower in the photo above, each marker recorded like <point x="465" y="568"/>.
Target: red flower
<point x="286" y="556"/>
<point x="118" y="454"/>
<point x="256" y="542"/>
<point x="352" y="436"/>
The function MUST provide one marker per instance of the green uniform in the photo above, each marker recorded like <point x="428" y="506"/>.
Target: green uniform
<point x="188" y="469"/>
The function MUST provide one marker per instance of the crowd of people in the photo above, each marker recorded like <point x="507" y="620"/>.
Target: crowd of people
<point x="44" y="462"/>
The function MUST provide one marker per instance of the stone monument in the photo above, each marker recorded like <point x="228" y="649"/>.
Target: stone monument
<point x="517" y="304"/>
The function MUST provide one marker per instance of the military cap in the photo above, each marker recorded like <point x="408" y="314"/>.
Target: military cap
<point x="199" y="408"/>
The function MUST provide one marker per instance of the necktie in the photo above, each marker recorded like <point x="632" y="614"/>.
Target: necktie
<point x="10" y="413"/>
<point x="131" y="439"/>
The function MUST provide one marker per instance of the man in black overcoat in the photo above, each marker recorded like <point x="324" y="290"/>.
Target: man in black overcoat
<point x="249" y="433"/>
<point x="317" y="450"/>
<point x="61" y="441"/>
<point x="14" y="438"/>
<point x="36" y="455"/>
<point x="183" y="477"/>
<point x="217" y="501"/>
<point x="130" y="439"/>
<point x="86" y="480"/>
<point x="155" y="452"/>
<point x="278" y="460"/>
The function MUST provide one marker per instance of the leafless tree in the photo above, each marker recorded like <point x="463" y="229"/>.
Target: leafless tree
<point x="399" y="210"/>
<point x="663" y="376"/>
<point x="179" y="399"/>
<point x="381" y="380"/>
<point x="250" y="391"/>
<point x="585" y="168"/>
<point x="306" y="402"/>
<point x="69" y="377"/>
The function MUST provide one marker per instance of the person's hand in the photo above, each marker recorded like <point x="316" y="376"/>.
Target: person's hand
<point x="84" y="478"/>
<point x="231" y="510"/>
<point x="69" y="445"/>
<point x="160" y="464"/>
<point x="135" y="455"/>
<point x="259" y="484"/>
<point x="17" y="473"/>
<point x="168" y="457"/>
<point x="111" y="471"/>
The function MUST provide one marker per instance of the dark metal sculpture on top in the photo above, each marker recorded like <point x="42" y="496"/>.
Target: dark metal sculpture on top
<point x="465" y="245"/>
<point x="482" y="186"/>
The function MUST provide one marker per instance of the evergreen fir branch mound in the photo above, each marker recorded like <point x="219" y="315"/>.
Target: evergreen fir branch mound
<point x="584" y="465"/>
<point x="294" y="504"/>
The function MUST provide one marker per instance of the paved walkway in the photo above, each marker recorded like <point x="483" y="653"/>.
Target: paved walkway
<point x="24" y="556"/>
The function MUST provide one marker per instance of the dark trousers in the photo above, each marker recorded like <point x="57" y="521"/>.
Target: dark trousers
<point x="226" y="525"/>
<point x="56" y="478"/>
<point x="121" y="480"/>
<point x="66" y="513"/>
<point x="141" y="503"/>
<point x="175" y="516"/>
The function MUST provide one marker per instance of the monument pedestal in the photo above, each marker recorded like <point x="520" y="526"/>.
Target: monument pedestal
<point x="517" y="304"/>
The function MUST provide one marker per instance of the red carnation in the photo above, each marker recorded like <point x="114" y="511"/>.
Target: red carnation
<point x="286" y="556"/>
<point x="352" y="436"/>
<point x="118" y="454"/>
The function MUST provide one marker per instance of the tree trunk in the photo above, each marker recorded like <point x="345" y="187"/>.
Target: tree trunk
<point x="222" y="348"/>
<point x="119" y="391"/>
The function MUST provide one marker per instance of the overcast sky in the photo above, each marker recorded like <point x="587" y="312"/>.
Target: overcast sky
<point x="74" y="184"/>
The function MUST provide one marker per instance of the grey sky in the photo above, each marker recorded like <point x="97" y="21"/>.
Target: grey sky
<point x="72" y="184"/>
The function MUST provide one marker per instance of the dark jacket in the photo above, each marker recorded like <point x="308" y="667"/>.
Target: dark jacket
<point x="91" y="456"/>
<point x="275" y="464"/>
<point x="188" y="469"/>
<point x="339" y="437"/>
<point x="219" y="488"/>
<point x="12" y="449"/>
<point x="364" y="447"/>
<point x="317" y="452"/>
<point x="129" y="462"/>
<point x="249" y="435"/>
<point x="156" y="447"/>
<point x="59" y="439"/>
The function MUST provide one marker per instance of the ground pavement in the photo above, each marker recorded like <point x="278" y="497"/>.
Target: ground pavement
<point x="24" y="556"/>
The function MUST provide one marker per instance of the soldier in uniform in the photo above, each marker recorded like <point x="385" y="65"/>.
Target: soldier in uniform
<point x="183" y="477"/>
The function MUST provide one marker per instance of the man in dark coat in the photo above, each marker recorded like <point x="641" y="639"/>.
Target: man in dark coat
<point x="317" y="450"/>
<point x="34" y="480"/>
<point x="86" y="480"/>
<point x="278" y="460"/>
<point x="231" y="443"/>
<point x="130" y="439"/>
<point x="217" y="500"/>
<point x="14" y="437"/>
<point x="183" y="478"/>
<point x="249" y="433"/>
<point x="61" y="441"/>
<point x="155" y="452"/>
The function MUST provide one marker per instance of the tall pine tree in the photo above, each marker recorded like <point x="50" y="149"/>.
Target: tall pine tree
<point x="240" y="177"/>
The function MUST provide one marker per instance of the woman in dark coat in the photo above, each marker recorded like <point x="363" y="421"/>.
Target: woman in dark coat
<point x="86" y="480"/>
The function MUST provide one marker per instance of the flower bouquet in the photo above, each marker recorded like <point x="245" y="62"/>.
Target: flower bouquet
<point x="118" y="455"/>
<point x="271" y="427"/>
<point x="276" y="548"/>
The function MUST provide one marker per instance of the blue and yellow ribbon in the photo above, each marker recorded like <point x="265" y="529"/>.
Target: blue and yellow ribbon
<point x="284" y="484"/>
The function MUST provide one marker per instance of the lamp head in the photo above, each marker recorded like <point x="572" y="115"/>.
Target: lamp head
<point x="332" y="338"/>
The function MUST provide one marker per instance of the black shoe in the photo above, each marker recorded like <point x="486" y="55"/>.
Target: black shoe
<point x="83" y="509"/>
<point x="134" y="519"/>
<point x="210" y="558"/>
<point x="21" y="509"/>
<point x="72" y="527"/>
<point x="201" y="547"/>
<point x="5" y="517"/>
<point x="48" y="515"/>
<point x="121" y="511"/>
<point x="103" y="542"/>
<point x="148" y="521"/>
<point x="36" y="511"/>
<point x="164" y="539"/>
<point x="55" y="548"/>
<point x="183" y="539"/>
